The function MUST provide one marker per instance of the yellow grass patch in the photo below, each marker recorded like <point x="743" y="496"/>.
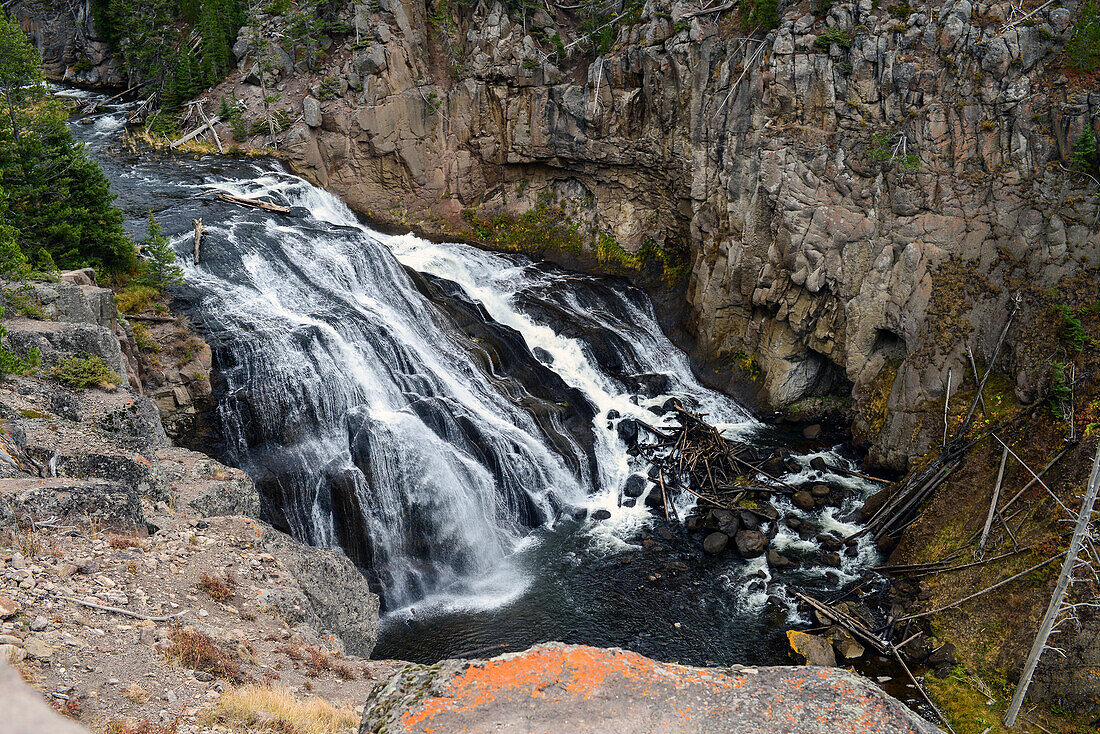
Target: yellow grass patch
<point x="261" y="708"/>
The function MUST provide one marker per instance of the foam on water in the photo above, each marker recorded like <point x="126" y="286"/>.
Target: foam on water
<point x="349" y="395"/>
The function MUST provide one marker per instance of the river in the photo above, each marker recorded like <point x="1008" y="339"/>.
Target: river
<point x="448" y="417"/>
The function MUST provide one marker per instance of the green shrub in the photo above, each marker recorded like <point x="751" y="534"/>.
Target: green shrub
<point x="143" y="339"/>
<point x="1083" y="50"/>
<point x="1060" y="391"/>
<point x="833" y="35"/>
<point x="82" y="372"/>
<point x="12" y="363"/>
<point x="329" y="89"/>
<point x="159" y="269"/>
<point x="1073" y="332"/>
<point x="1085" y="154"/>
<point x="135" y="297"/>
<point x="763" y="14"/>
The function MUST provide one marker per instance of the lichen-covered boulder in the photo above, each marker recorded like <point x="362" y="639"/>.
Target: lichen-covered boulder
<point x="573" y="688"/>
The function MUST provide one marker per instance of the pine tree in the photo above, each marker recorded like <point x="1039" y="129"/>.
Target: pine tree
<point x="1084" y="150"/>
<point x="160" y="269"/>
<point x="20" y="69"/>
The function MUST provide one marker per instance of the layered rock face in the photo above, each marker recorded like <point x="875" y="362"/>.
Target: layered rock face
<point x="72" y="49"/>
<point x="857" y="190"/>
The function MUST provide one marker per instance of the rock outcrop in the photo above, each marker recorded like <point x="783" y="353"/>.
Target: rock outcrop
<point x="73" y="51"/>
<point x="858" y="192"/>
<point x="558" y="687"/>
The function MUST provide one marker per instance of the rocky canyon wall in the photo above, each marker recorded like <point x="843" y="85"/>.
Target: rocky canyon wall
<point x="858" y="193"/>
<point x="856" y="211"/>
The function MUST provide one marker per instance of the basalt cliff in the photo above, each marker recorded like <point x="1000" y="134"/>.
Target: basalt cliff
<point x="857" y="195"/>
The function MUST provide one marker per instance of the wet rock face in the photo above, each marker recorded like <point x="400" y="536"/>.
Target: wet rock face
<point x="66" y="37"/>
<point x="821" y="187"/>
<point x="559" y="687"/>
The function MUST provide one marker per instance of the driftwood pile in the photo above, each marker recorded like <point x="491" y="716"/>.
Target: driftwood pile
<point x="697" y="459"/>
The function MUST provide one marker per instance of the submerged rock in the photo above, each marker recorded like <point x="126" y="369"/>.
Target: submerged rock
<point x="557" y="687"/>
<point x="803" y="500"/>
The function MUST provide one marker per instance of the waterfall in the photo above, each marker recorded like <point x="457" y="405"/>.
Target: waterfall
<point x="422" y="406"/>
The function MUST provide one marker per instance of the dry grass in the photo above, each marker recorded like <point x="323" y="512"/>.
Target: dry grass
<point x="264" y="709"/>
<point x="128" y="540"/>
<point x="317" y="661"/>
<point x="192" y="649"/>
<point x="136" y="694"/>
<point x="216" y="588"/>
<point x="139" y="726"/>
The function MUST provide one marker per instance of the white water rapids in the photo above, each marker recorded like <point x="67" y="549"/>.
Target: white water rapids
<point x="434" y="410"/>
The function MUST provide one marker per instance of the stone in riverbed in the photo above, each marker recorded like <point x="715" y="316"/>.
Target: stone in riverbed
<point x="803" y="500"/>
<point x="628" y="431"/>
<point x="751" y="543"/>
<point x="601" y="515"/>
<point x="811" y="649"/>
<point x="777" y="559"/>
<point x="715" y="543"/>
<point x="819" y="490"/>
<point x="635" y="485"/>
<point x="844" y="644"/>
<point x="812" y="432"/>
<point x="818" y="464"/>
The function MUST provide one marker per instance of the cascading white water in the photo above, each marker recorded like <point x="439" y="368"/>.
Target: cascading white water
<point x="350" y="382"/>
<point x="425" y="406"/>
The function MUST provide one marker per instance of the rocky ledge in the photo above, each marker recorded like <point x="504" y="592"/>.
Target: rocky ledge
<point x="559" y="687"/>
<point x="136" y="582"/>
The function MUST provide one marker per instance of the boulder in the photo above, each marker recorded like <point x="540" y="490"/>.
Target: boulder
<point x="812" y="432"/>
<point x="9" y="607"/>
<point x="336" y="595"/>
<point x="627" y="431"/>
<point x="601" y="515"/>
<point x="311" y="112"/>
<point x="555" y="687"/>
<point x="844" y="644"/>
<point x="811" y="649"/>
<point x="635" y="485"/>
<point x="777" y="559"/>
<point x="715" y="543"/>
<point x="26" y="712"/>
<point x="803" y="500"/>
<point x="751" y="543"/>
<point x="819" y="490"/>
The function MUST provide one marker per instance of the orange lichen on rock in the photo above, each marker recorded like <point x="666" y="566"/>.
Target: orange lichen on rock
<point x="558" y="687"/>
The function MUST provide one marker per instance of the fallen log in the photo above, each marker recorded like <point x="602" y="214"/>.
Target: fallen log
<point x="846" y="622"/>
<point x="986" y="590"/>
<point x="96" y="105"/>
<point x="199" y="229"/>
<point x="196" y="132"/>
<point x="124" y="612"/>
<point x="253" y="203"/>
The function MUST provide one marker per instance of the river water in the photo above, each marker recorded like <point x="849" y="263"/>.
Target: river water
<point x="441" y="413"/>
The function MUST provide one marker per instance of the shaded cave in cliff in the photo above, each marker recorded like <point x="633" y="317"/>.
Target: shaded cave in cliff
<point x="890" y="345"/>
